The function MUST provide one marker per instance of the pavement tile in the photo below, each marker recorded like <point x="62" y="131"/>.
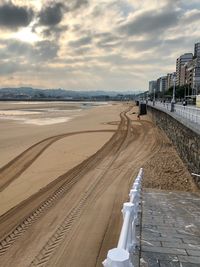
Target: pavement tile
<point x="189" y="259"/>
<point x="151" y="243"/>
<point x="190" y="241"/>
<point x="164" y="250"/>
<point x="159" y="256"/>
<point x="181" y="245"/>
<point x="193" y="252"/>
<point x="171" y="228"/>
<point x="165" y="239"/>
<point x="169" y="264"/>
<point x="187" y="264"/>
<point x="151" y="262"/>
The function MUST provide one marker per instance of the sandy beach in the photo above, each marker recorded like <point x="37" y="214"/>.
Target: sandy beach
<point x="62" y="184"/>
<point x="18" y="135"/>
<point x="62" y="155"/>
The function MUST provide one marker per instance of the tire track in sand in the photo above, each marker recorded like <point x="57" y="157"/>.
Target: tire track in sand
<point x="74" y="175"/>
<point x="18" y="165"/>
<point x="53" y="243"/>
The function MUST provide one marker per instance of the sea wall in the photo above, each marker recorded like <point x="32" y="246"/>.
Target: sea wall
<point x="186" y="140"/>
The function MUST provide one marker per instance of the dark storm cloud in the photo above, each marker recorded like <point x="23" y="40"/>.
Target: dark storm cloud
<point x="150" y="22"/>
<point x="81" y="42"/>
<point x="51" y="15"/>
<point x="13" y="16"/>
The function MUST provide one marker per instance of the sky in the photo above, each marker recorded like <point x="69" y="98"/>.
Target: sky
<point x="94" y="44"/>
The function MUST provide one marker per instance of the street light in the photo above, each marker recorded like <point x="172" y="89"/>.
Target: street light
<point x="173" y="97"/>
<point x="154" y="96"/>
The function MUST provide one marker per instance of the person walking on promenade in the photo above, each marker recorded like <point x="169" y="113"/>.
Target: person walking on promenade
<point x="184" y="103"/>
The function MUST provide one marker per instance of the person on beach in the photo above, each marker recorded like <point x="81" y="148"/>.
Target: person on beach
<point x="138" y="116"/>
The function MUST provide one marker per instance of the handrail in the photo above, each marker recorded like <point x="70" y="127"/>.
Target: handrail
<point x="120" y="256"/>
<point x="189" y="113"/>
<point x="194" y="174"/>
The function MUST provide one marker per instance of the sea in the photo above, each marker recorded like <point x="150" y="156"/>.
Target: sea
<point x="44" y="113"/>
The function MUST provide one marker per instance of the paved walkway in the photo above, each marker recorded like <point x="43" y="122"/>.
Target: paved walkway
<point x="170" y="234"/>
<point x="166" y="108"/>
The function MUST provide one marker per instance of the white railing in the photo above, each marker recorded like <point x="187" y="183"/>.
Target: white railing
<point x="190" y="113"/>
<point x="121" y="256"/>
<point x="197" y="175"/>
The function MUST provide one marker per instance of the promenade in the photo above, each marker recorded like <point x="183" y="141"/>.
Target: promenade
<point x="170" y="232"/>
<point x="188" y="115"/>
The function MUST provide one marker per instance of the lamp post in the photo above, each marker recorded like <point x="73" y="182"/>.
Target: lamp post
<point x="173" y="97"/>
<point x="154" y="96"/>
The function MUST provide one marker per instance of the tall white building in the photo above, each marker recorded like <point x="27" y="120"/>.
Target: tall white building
<point x="180" y="62"/>
<point x="170" y="77"/>
<point x="152" y="86"/>
<point x="162" y="84"/>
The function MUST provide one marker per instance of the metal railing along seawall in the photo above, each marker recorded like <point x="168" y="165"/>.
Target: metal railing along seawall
<point x="121" y="256"/>
<point x="189" y="113"/>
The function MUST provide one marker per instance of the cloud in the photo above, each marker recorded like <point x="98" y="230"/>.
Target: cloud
<point x="81" y="42"/>
<point x="13" y="16"/>
<point x="77" y="4"/>
<point x="108" y="40"/>
<point x="191" y="16"/>
<point x="51" y="14"/>
<point x="54" y="32"/>
<point x="89" y="44"/>
<point x="149" y="22"/>
<point x="42" y="51"/>
<point x="7" y="68"/>
<point x="45" y="51"/>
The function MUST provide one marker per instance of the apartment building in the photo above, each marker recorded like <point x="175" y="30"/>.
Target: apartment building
<point x="170" y="81"/>
<point x="191" y="75"/>
<point x="187" y="73"/>
<point x="152" y="86"/>
<point x="180" y="62"/>
<point x="162" y="84"/>
<point x="197" y="50"/>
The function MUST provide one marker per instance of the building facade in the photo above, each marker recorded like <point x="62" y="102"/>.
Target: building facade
<point x="152" y="87"/>
<point x="170" y="77"/>
<point x="187" y="73"/>
<point x="197" y="50"/>
<point x="162" y="84"/>
<point x="196" y="77"/>
<point x="180" y="62"/>
<point x="191" y="75"/>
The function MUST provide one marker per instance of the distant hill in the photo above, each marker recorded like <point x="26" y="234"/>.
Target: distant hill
<point x="32" y="93"/>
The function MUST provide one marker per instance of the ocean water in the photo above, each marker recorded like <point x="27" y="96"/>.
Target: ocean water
<point x="44" y="113"/>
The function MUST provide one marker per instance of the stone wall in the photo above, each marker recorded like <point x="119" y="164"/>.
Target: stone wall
<point x="186" y="141"/>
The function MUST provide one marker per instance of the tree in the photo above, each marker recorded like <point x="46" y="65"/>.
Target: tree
<point x="180" y="91"/>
